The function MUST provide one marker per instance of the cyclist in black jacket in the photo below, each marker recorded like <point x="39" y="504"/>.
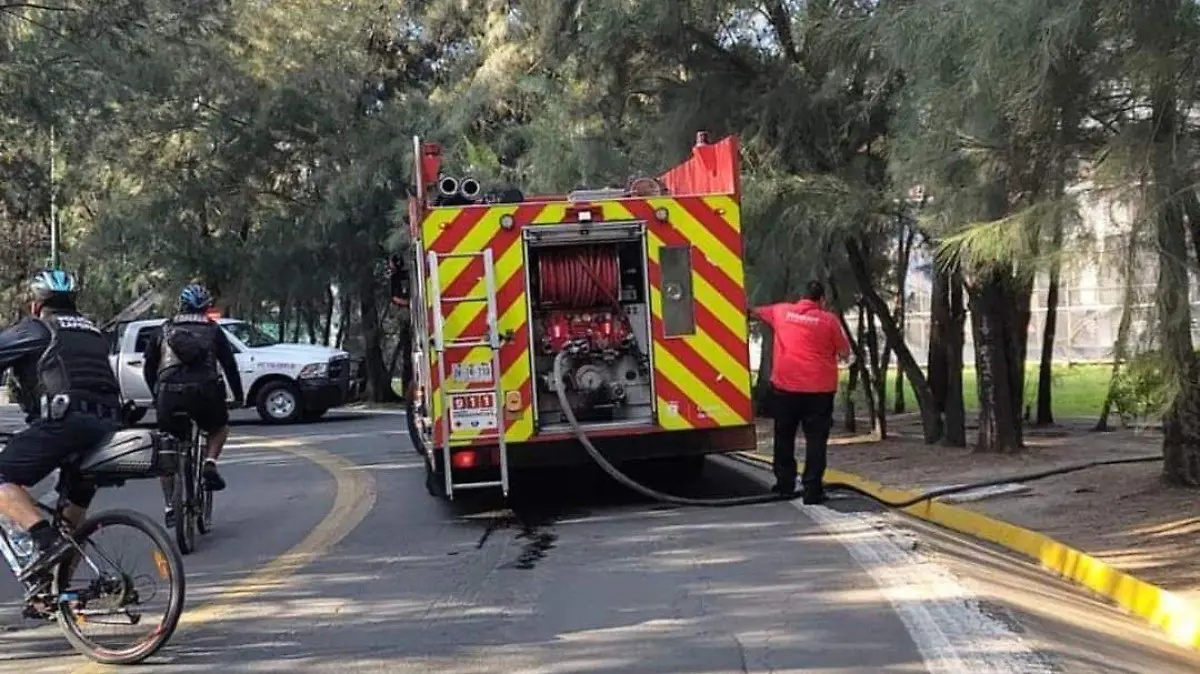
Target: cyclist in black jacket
<point x="71" y="399"/>
<point x="181" y="370"/>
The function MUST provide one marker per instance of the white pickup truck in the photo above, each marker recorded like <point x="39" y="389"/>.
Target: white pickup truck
<point x="285" y="382"/>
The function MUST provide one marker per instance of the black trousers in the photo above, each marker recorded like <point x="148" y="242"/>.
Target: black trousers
<point x="814" y="413"/>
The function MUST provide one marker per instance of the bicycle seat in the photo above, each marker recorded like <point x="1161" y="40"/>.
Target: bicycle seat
<point x="128" y="454"/>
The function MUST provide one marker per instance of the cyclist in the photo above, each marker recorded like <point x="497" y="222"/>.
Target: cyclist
<point x="69" y="392"/>
<point x="181" y="369"/>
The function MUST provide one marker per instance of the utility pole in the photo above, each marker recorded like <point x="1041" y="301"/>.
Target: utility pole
<point x="53" y="208"/>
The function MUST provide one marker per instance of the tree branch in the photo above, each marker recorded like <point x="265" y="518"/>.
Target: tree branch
<point x="10" y="6"/>
<point x="781" y="21"/>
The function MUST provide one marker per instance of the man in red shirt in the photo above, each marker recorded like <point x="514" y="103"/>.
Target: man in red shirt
<point x="808" y="343"/>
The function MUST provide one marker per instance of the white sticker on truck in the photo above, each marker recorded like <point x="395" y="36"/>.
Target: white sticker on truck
<point x="473" y="411"/>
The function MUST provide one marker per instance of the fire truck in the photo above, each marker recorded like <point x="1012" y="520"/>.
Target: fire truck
<point x="642" y="287"/>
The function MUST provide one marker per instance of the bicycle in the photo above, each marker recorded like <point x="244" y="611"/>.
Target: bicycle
<point x="190" y="499"/>
<point x="127" y="455"/>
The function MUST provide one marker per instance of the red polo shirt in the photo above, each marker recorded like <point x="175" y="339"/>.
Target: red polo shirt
<point x="808" y="341"/>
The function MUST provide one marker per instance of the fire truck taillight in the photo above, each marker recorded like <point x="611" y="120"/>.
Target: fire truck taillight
<point x="464" y="459"/>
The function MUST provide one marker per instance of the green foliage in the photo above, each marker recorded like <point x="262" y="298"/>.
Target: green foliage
<point x="265" y="147"/>
<point x="1140" y="390"/>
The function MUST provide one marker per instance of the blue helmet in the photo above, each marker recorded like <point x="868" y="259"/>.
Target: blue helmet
<point x="195" y="297"/>
<point x="49" y="283"/>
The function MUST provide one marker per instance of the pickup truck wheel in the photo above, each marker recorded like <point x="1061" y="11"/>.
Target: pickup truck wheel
<point x="279" y="403"/>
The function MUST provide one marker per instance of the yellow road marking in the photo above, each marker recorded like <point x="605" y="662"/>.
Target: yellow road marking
<point x="355" y="498"/>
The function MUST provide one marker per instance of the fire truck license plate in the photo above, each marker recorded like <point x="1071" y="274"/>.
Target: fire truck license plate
<point x="473" y="411"/>
<point x="472" y="373"/>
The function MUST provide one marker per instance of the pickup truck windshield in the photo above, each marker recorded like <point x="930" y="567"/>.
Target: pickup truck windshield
<point x="250" y="335"/>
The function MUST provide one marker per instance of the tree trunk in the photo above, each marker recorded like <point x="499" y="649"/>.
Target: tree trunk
<point x="1018" y="327"/>
<point x="931" y="420"/>
<point x="379" y="388"/>
<point x="865" y="356"/>
<point x="297" y="322"/>
<point x="1045" y="409"/>
<point x="310" y="321"/>
<point x="327" y="324"/>
<point x="343" y="320"/>
<point x="1118" y="357"/>
<point x="878" y="378"/>
<point x="955" y="413"/>
<point x="857" y="375"/>
<point x="1181" y="421"/>
<point x="997" y="363"/>
<point x="908" y="235"/>
<point x="939" y="326"/>
<point x="1120" y="349"/>
<point x="284" y="315"/>
<point x="394" y="359"/>
<point x="849" y="411"/>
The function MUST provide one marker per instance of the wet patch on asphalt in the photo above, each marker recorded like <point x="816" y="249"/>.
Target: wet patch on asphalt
<point x="531" y="528"/>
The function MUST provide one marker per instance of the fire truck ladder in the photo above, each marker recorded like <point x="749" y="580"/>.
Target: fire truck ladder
<point x="441" y="346"/>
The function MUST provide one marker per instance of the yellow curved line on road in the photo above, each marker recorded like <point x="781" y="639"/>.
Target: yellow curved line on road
<point x="354" y="499"/>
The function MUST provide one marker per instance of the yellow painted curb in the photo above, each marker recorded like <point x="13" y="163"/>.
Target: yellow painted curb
<point x="355" y="497"/>
<point x="1176" y="616"/>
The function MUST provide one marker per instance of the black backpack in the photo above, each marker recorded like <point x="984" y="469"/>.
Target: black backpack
<point x="190" y="349"/>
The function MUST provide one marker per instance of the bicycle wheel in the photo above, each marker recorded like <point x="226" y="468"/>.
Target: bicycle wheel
<point x="113" y="597"/>
<point x="185" y="522"/>
<point x="204" y="495"/>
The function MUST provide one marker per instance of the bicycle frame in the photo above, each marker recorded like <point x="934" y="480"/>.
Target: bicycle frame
<point x="10" y="555"/>
<point x="56" y="520"/>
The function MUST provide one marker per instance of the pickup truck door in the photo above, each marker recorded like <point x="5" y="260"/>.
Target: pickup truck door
<point x="129" y="365"/>
<point x="245" y="361"/>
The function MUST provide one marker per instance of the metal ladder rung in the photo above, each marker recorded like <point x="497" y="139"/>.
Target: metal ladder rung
<point x="468" y="343"/>
<point x="444" y="256"/>
<point x="478" y="485"/>
<point x="477" y="438"/>
<point x="466" y="298"/>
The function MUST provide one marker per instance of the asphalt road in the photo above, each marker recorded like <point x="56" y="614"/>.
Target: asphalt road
<point x="329" y="556"/>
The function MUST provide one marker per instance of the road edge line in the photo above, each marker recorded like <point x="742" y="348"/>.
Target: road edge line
<point x="354" y="498"/>
<point x="1173" y="615"/>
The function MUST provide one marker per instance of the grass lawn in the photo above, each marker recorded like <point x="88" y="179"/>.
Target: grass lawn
<point x="1078" y="390"/>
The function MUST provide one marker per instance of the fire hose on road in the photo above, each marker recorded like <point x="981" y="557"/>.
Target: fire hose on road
<point x="625" y="480"/>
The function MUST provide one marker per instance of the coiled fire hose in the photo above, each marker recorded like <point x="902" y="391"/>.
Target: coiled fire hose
<point x="579" y="278"/>
<point x="625" y="480"/>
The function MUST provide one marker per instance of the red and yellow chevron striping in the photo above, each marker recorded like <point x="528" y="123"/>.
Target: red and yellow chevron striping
<point x="701" y="380"/>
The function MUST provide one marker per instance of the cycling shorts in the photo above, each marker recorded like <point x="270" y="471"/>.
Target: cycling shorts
<point x="37" y="451"/>
<point x="202" y="403"/>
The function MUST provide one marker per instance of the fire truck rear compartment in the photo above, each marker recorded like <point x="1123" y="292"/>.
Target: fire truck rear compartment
<point x="590" y="299"/>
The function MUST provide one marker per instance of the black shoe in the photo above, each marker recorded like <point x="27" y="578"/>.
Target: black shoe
<point x="813" y="498"/>
<point x="784" y="490"/>
<point x="212" y="479"/>
<point x="45" y="561"/>
<point x="169" y="518"/>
